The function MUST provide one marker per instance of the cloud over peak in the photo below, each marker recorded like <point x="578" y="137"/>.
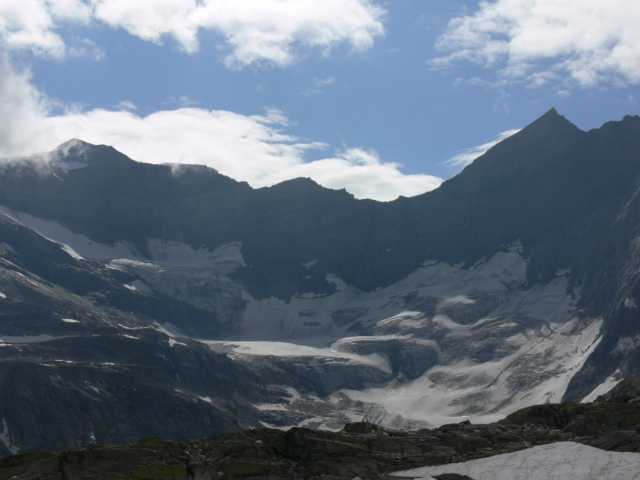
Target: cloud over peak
<point x="252" y="148"/>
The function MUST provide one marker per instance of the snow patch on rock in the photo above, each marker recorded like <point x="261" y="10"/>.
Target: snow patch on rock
<point x="77" y="245"/>
<point x="29" y="339"/>
<point x="604" y="387"/>
<point x="6" y="438"/>
<point x="170" y="253"/>
<point x="282" y="349"/>
<point x="448" y="286"/>
<point x="139" y="286"/>
<point x="458" y="299"/>
<point x="69" y="165"/>
<point x="265" y="407"/>
<point x="169" y="330"/>
<point x="72" y="253"/>
<point x="626" y="344"/>
<point x="554" y="461"/>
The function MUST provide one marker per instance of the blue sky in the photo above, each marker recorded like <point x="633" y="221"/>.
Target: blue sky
<point x="383" y="98"/>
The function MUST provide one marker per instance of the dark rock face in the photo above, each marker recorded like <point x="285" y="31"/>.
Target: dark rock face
<point x="112" y="389"/>
<point x="360" y="450"/>
<point x="566" y="200"/>
<point x="551" y="186"/>
<point x="101" y="372"/>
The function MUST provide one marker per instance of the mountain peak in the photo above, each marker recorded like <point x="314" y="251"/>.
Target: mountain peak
<point x="550" y="120"/>
<point x="73" y="142"/>
<point x="73" y="147"/>
<point x="103" y="156"/>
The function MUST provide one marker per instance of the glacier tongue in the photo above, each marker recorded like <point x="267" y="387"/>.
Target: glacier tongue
<point x="437" y="287"/>
<point x="443" y="344"/>
<point x="460" y="343"/>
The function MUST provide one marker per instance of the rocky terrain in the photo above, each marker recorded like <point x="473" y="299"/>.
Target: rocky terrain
<point x="359" y="450"/>
<point x="149" y="300"/>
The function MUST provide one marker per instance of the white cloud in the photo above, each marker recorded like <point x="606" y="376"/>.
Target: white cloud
<point x="583" y="42"/>
<point x="151" y="19"/>
<point x="270" y="30"/>
<point x="362" y="173"/>
<point x="31" y="24"/>
<point x="22" y="107"/>
<point x="468" y="155"/>
<point x="274" y="32"/>
<point x="251" y="148"/>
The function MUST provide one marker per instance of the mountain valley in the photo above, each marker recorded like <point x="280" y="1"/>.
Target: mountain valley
<point x="141" y="300"/>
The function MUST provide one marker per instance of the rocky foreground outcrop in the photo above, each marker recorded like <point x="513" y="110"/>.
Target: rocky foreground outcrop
<point x="360" y="450"/>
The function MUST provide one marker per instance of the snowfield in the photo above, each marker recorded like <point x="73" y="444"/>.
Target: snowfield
<point x="556" y="461"/>
<point x="448" y="342"/>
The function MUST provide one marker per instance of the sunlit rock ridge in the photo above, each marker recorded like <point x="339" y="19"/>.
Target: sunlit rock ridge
<point x="140" y="300"/>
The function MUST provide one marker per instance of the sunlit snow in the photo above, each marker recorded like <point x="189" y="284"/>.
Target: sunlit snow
<point x="169" y="330"/>
<point x="604" y="387"/>
<point x="498" y="343"/>
<point x="138" y="286"/>
<point x="274" y="318"/>
<point x="465" y="383"/>
<point x="556" y="461"/>
<point x="282" y="349"/>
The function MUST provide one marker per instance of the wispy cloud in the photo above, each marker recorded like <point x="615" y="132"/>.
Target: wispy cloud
<point x="127" y="105"/>
<point x="572" y="43"/>
<point x="182" y="101"/>
<point x="270" y="32"/>
<point x="255" y="148"/>
<point x="323" y="82"/>
<point x="468" y="155"/>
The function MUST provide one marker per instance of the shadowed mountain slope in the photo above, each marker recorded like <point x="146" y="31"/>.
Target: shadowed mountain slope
<point x="515" y="282"/>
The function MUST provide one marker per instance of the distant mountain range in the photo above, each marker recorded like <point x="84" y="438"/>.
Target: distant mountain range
<point x="169" y="300"/>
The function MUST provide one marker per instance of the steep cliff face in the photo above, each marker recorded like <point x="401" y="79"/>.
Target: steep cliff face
<point x="512" y="284"/>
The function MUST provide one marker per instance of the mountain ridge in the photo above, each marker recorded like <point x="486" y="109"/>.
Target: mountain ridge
<point x="513" y="283"/>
